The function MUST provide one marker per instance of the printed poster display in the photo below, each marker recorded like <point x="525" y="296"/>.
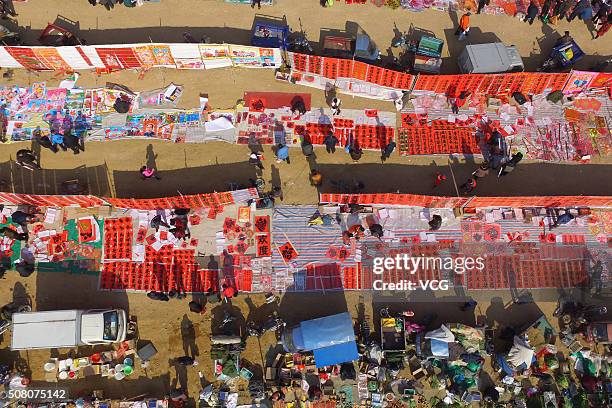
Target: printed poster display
<point x="26" y="57"/>
<point x="215" y="55"/>
<point x="51" y="58"/>
<point x="163" y="56"/>
<point x="578" y="81"/>
<point x="186" y="56"/>
<point x="245" y="56"/>
<point x="145" y="55"/>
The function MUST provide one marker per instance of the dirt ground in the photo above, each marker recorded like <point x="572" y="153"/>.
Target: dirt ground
<point x="175" y="331"/>
<point x="111" y="169"/>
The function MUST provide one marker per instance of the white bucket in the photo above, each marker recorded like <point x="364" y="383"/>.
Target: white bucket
<point x="50" y="366"/>
<point x="63" y="375"/>
<point x="119" y="375"/>
<point x="119" y="368"/>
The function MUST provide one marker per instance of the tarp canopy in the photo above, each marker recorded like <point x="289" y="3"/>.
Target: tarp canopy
<point x="341" y="353"/>
<point x="327" y="331"/>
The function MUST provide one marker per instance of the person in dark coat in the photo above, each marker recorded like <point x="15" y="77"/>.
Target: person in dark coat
<point x="481" y="4"/>
<point x="435" y="223"/>
<point x="545" y="9"/>
<point x="12" y="234"/>
<point x="355" y="152"/>
<point x="561" y="8"/>
<point x="532" y="13"/>
<point x="22" y="218"/>
<point x="580" y="7"/>
<point x="330" y="143"/>
<point x="73" y="143"/>
<point x="186" y="361"/>
<point x="386" y="153"/>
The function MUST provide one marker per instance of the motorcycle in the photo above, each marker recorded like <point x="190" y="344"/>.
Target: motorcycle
<point x="6" y="314"/>
<point x="401" y="41"/>
<point x="26" y="159"/>
<point x="273" y="324"/>
<point x="299" y="43"/>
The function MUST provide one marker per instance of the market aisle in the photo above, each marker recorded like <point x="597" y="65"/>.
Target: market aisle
<point x="232" y="23"/>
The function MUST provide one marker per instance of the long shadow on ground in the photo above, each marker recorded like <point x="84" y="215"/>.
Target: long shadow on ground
<point x="529" y="179"/>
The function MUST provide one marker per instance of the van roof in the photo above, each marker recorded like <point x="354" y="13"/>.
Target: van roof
<point x="53" y="329"/>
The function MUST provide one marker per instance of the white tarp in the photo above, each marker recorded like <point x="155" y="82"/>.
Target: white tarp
<point x="520" y="353"/>
<point x="442" y="334"/>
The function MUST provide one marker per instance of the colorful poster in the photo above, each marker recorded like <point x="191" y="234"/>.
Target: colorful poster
<point x="75" y="100"/>
<point x="26" y="57"/>
<point x="162" y="54"/>
<point x="578" y="81"/>
<point x="51" y="58"/>
<point x="38" y="90"/>
<point x="145" y="55"/>
<point x="150" y="126"/>
<point x="267" y="57"/>
<point x="212" y="51"/>
<point x="115" y="132"/>
<point x="245" y="56"/>
<point x="56" y="98"/>
<point x="602" y="80"/>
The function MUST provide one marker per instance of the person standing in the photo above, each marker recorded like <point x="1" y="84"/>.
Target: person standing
<point x="316" y="178"/>
<point x="561" y="9"/>
<point x="255" y="158"/>
<point x="58" y="140"/>
<point x="464" y="26"/>
<point x="186" y="361"/>
<point x="335" y="106"/>
<point x="468" y="186"/>
<point x="254" y="2"/>
<point x="282" y="153"/>
<point x="578" y="9"/>
<point x="330" y="142"/>
<point x="440" y="178"/>
<point x="482" y="171"/>
<point x="22" y="218"/>
<point x="604" y="27"/>
<point x="511" y="164"/>
<point x="147" y="173"/>
<point x="545" y="11"/>
<point x="355" y="152"/>
<point x="387" y="151"/>
<point x="481" y="4"/>
<point x="532" y="13"/>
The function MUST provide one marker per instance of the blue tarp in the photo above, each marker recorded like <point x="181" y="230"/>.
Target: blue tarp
<point x="341" y="353"/>
<point x="327" y="331"/>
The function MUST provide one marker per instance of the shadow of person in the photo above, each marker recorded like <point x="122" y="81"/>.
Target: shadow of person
<point x="188" y="333"/>
<point x="35" y="148"/>
<point x="180" y="378"/>
<point x="151" y="158"/>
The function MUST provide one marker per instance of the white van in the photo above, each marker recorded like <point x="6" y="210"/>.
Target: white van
<point x="67" y="328"/>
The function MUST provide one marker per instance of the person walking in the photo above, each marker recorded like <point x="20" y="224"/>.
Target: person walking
<point x="73" y="143"/>
<point x="254" y="2"/>
<point x="561" y="9"/>
<point x="464" y="26"/>
<point x="330" y="142"/>
<point x="316" y="178"/>
<point x="511" y="164"/>
<point x="604" y="27"/>
<point x="468" y="186"/>
<point x="440" y="178"/>
<point x="355" y="152"/>
<point x="22" y="218"/>
<point x="481" y="4"/>
<point x="579" y="9"/>
<point x="532" y="13"/>
<point x="157" y="221"/>
<point x="255" y="158"/>
<point x="545" y="11"/>
<point x="282" y="153"/>
<point x="58" y="140"/>
<point x="482" y="171"/>
<point x="603" y="12"/>
<point x="147" y="173"/>
<point x="435" y="223"/>
<point x="335" y="106"/>
<point x="387" y="151"/>
<point x="12" y="234"/>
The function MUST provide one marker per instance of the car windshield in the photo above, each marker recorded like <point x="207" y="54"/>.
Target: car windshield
<point x="111" y="326"/>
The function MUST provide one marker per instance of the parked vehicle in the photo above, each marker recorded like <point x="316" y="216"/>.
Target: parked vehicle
<point x="330" y="338"/>
<point x="68" y="328"/>
<point x="490" y="58"/>
<point x="361" y="48"/>
<point x="563" y="55"/>
<point x="273" y="324"/>
<point x="269" y="35"/>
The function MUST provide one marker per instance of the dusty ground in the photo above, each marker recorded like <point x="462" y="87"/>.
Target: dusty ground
<point x="175" y="331"/>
